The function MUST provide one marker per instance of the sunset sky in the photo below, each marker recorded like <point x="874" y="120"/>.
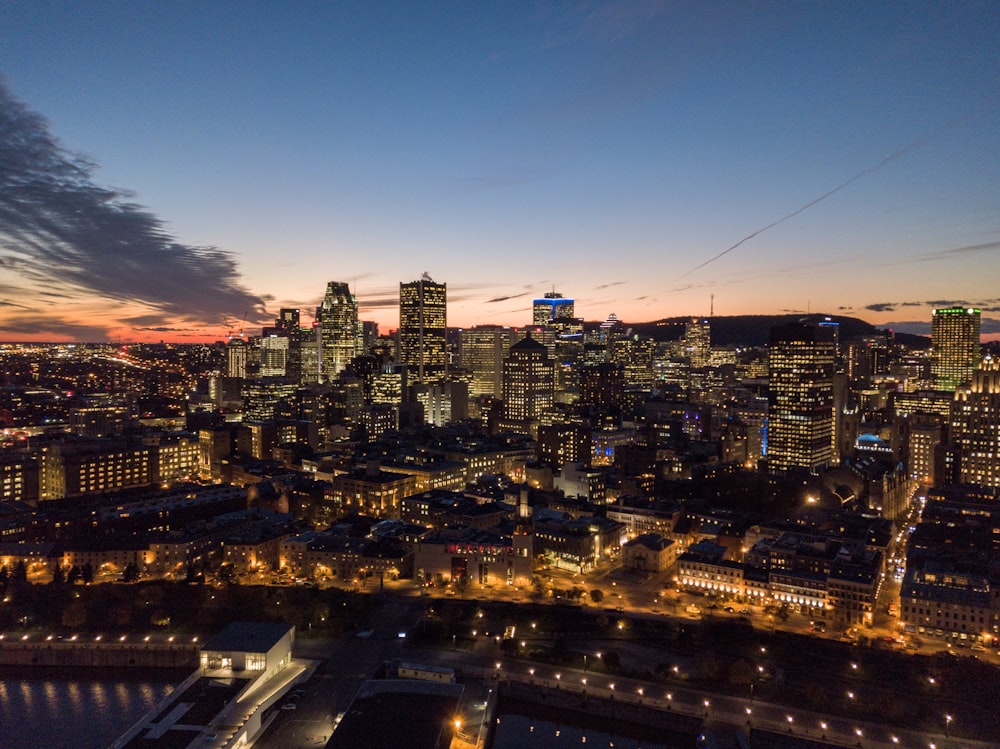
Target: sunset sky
<point x="169" y="168"/>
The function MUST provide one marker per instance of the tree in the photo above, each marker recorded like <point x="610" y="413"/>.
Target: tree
<point x="73" y="576"/>
<point x="596" y="595"/>
<point x="131" y="574"/>
<point x="58" y="575"/>
<point x="87" y="573"/>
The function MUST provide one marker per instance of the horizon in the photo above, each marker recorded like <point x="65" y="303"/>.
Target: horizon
<point x="172" y="173"/>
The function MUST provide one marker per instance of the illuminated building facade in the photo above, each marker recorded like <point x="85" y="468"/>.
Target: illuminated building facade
<point x="976" y="426"/>
<point x="273" y="355"/>
<point x="551" y="308"/>
<point x="236" y="358"/>
<point x="528" y="384"/>
<point x="954" y="345"/>
<point x="423" y="328"/>
<point x="800" y="432"/>
<point x="482" y="350"/>
<point x="698" y="342"/>
<point x="338" y="325"/>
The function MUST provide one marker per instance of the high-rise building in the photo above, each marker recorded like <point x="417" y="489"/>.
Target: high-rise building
<point x="552" y="308"/>
<point x="800" y="432"/>
<point x="482" y="350"/>
<point x="274" y="355"/>
<point x="423" y="328"/>
<point x="338" y="323"/>
<point x="954" y="346"/>
<point x="236" y="358"/>
<point x="698" y="342"/>
<point x="528" y="384"/>
<point x="975" y="420"/>
<point x="289" y="324"/>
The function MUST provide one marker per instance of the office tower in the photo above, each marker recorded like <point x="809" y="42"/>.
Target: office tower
<point x="954" y="346"/>
<point x="482" y="350"/>
<point x="698" y="342"/>
<point x="338" y="324"/>
<point x="289" y="324"/>
<point x="602" y="386"/>
<point x="528" y="384"/>
<point x="274" y="355"/>
<point x="800" y="432"/>
<point x="423" y="327"/>
<point x="975" y="420"/>
<point x="236" y="358"/>
<point x="552" y="308"/>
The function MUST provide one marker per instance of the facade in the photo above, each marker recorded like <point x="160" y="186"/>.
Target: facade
<point x="800" y="433"/>
<point x="698" y="342"/>
<point x="528" y="384"/>
<point x="483" y="349"/>
<point x="469" y="556"/>
<point x="551" y="308"/>
<point x="649" y="552"/>
<point x="250" y="646"/>
<point x="955" y="346"/>
<point x="423" y="328"/>
<point x="338" y="327"/>
<point x="976" y="426"/>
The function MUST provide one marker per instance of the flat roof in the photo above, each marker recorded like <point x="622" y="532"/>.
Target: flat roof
<point x="393" y="713"/>
<point x="248" y="637"/>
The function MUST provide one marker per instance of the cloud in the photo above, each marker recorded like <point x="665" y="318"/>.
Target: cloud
<point x="609" y="285"/>
<point x="35" y="326"/>
<point x="881" y="307"/>
<point x="58" y="228"/>
<point x="496" y="299"/>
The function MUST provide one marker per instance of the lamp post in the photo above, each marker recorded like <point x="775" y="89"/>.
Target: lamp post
<point x="947" y="724"/>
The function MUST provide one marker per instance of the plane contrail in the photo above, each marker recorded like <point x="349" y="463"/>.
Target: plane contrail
<point x="887" y="160"/>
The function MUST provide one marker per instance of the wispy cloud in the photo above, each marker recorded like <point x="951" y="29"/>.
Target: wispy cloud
<point x="609" y="285"/>
<point x="60" y="229"/>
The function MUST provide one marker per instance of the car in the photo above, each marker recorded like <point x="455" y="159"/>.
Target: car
<point x="745" y="612"/>
<point x="729" y="609"/>
<point x="289" y="706"/>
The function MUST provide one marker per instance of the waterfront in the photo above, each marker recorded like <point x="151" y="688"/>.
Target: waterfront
<point x="41" y="708"/>
<point x="522" y="732"/>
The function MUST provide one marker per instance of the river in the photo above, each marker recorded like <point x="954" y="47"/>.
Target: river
<point x="83" y="709"/>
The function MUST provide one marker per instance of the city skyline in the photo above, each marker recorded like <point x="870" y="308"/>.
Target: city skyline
<point x="651" y="160"/>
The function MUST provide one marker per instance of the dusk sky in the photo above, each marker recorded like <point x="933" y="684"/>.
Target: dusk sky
<point x="167" y="168"/>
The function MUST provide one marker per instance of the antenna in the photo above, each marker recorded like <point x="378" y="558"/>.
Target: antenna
<point x="711" y="305"/>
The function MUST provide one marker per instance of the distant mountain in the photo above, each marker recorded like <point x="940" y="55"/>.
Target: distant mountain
<point x="754" y="330"/>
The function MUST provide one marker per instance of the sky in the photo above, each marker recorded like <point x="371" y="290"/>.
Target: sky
<point x="176" y="171"/>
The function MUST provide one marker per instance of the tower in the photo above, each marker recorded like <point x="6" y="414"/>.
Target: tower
<point x="482" y="350"/>
<point x="528" y="384"/>
<point x="954" y="346"/>
<point x="975" y="421"/>
<point x="423" y="328"/>
<point x="698" y="342"/>
<point x="551" y="308"/>
<point x="338" y="324"/>
<point x="800" y="431"/>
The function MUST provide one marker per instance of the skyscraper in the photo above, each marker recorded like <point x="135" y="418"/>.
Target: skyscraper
<point x="338" y="323"/>
<point x="528" y="384"/>
<point x="483" y="349"/>
<point x="800" y="432"/>
<point x="554" y="306"/>
<point x="423" y="328"/>
<point x="975" y="424"/>
<point x="954" y="346"/>
<point x="698" y="342"/>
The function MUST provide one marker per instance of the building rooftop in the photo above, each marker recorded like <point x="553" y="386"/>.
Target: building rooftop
<point x="248" y="637"/>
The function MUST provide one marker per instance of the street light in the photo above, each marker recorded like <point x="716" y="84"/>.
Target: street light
<point x="947" y="724"/>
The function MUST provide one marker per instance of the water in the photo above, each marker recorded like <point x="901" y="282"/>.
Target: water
<point x="76" y="709"/>
<point x="521" y="732"/>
